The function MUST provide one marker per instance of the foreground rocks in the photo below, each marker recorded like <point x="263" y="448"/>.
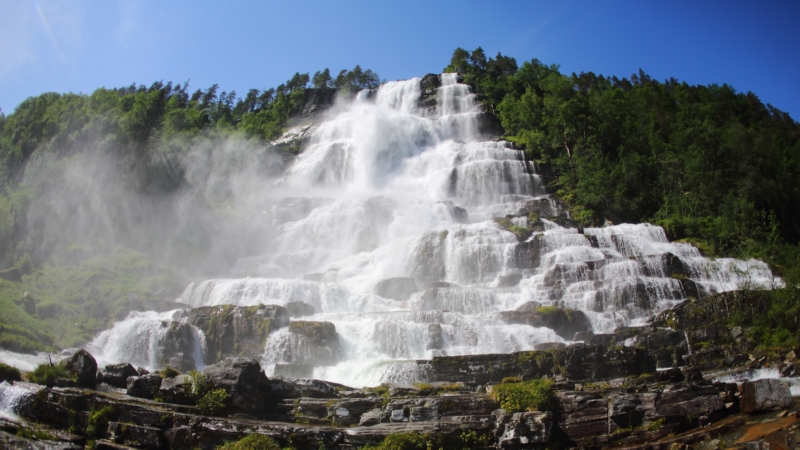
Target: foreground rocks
<point x="765" y="395"/>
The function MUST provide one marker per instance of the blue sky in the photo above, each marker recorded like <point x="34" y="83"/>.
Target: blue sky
<point x="80" y="45"/>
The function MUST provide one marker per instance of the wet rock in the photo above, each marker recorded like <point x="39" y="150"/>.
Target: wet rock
<point x="531" y="306"/>
<point x="509" y="280"/>
<point x="527" y="428"/>
<point x="584" y="336"/>
<point x="398" y="288"/>
<point x="429" y="257"/>
<point x="307" y="342"/>
<point x="549" y="346"/>
<point x="243" y="379"/>
<point x="423" y="413"/>
<point x="434" y="337"/>
<point x="301" y="387"/>
<point x="117" y="374"/>
<point x="300" y="309"/>
<point x="171" y="390"/>
<point x="527" y="254"/>
<point x="83" y="368"/>
<point x="565" y="322"/>
<point x="237" y="330"/>
<point x="429" y="85"/>
<point x="294" y="370"/>
<point x="765" y="395"/>
<point x="145" y="386"/>
<point x="136" y="435"/>
<point x="178" y="346"/>
<point x="373" y="417"/>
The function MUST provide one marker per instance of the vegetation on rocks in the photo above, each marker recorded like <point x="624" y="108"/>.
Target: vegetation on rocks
<point x="47" y="373"/>
<point x="531" y="395"/>
<point x="252" y="442"/>
<point x="8" y="373"/>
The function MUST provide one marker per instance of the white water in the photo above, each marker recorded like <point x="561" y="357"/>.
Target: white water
<point x="374" y="196"/>
<point x="12" y="395"/>
<point x="761" y="374"/>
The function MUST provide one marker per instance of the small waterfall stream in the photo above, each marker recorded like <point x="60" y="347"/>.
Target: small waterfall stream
<point x="387" y="189"/>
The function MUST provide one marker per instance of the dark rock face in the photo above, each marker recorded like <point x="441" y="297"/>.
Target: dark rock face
<point x="117" y="374"/>
<point x="145" y="386"/>
<point x="576" y="362"/>
<point x="764" y="395"/>
<point x="237" y="330"/>
<point x="429" y="84"/>
<point x="244" y="381"/>
<point x="565" y="322"/>
<point x="315" y="343"/>
<point x="399" y="288"/>
<point x="300" y="309"/>
<point x="527" y="428"/>
<point x="179" y="344"/>
<point x="83" y="367"/>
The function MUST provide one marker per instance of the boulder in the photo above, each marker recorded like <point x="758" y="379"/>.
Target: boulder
<point x="300" y="309"/>
<point x="117" y="374"/>
<point x="527" y="428"/>
<point x="83" y="368"/>
<point x="398" y="288"/>
<point x="145" y="386"/>
<point x="172" y="391"/>
<point x="565" y="322"/>
<point x="243" y="379"/>
<point x="237" y="330"/>
<point x="764" y="395"/>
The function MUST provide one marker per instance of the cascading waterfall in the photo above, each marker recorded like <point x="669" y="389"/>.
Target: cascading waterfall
<point x="388" y="189"/>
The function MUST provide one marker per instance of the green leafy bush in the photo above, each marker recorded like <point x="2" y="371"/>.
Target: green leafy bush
<point x="214" y="402"/>
<point x="408" y="441"/>
<point x="8" y="373"/>
<point x="252" y="442"/>
<point x="168" y="372"/>
<point x="47" y="373"/>
<point x="531" y="395"/>
<point x="98" y="421"/>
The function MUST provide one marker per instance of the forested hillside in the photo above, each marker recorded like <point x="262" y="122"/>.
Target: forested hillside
<point x="711" y="165"/>
<point x="109" y="200"/>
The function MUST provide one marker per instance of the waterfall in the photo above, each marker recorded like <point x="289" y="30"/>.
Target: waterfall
<point x="385" y="188"/>
<point x="12" y="396"/>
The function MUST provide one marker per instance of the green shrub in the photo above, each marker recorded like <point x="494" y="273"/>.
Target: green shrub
<point x="168" y="372"/>
<point x="531" y="395"/>
<point x="98" y="421"/>
<point x="214" y="402"/>
<point x="8" y="373"/>
<point x="507" y="380"/>
<point x="407" y="441"/>
<point x="47" y="373"/>
<point x="252" y="442"/>
<point x="196" y="385"/>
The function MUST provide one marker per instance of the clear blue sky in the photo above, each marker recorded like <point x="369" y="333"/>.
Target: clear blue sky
<point x="80" y="45"/>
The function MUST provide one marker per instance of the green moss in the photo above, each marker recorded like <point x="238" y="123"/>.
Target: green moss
<point x="531" y="395"/>
<point x="252" y="442"/>
<point x="408" y="441"/>
<point x="548" y="310"/>
<point x="168" y="372"/>
<point x="214" y="402"/>
<point x="35" y="433"/>
<point x="425" y="389"/>
<point x="98" y="421"/>
<point x="507" y="380"/>
<point x="522" y="233"/>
